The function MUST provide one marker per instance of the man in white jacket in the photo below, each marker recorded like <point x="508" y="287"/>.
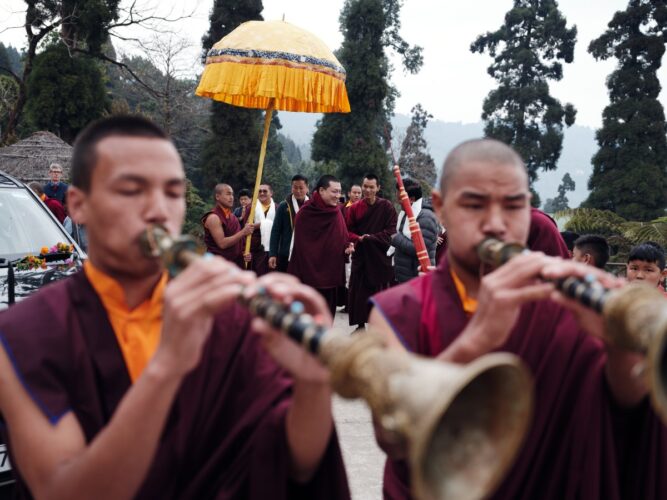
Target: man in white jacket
<point x="265" y="213"/>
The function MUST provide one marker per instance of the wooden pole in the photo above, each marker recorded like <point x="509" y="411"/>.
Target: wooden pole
<point x="260" y="170"/>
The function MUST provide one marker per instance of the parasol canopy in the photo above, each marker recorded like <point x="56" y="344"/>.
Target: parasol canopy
<point x="274" y="64"/>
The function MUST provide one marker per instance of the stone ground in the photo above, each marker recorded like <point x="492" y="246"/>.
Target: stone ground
<point x="364" y="461"/>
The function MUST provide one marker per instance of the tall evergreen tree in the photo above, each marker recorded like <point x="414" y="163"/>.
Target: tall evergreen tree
<point x="64" y="92"/>
<point x="357" y="141"/>
<point x="521" y="112"/>
<point x="291" y="150"/>
<point x="560" y="202"/>
<point x="82" y="26"/>
<point x="230" y="152"/>
<point x="415" y="159"/>
<point x="630" y="169"/>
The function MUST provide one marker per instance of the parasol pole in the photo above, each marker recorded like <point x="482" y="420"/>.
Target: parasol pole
<point x="260" y="169"/>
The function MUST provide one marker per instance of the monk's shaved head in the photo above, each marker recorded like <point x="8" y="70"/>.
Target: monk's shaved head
<point x="219" y="188"/>
<point x="485" y="151"/>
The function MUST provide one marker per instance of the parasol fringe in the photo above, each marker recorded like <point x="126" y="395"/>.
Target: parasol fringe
<point x="292" y="89"/>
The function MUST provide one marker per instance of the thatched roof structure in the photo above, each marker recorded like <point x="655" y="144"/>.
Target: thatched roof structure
<point x="28" y="160"/>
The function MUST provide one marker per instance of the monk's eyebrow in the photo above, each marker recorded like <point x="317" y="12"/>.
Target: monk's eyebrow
<point x="178" y="182"/>
<point x="131" y="178"/>
<point x="472" y="195"/>
<point x="516" y="197"/>
<point x="174" y="182"/>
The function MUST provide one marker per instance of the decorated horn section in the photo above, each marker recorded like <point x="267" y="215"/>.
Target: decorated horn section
<point x="635" y="316"/>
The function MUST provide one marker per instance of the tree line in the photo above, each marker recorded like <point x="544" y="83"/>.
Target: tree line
<point x="69" y="74"/>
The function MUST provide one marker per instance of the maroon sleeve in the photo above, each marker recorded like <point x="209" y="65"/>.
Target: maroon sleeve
<point x="270" y="447"/>
<point x="354" y="213"/>
<point x="31" y="333"/>
<point x="400" y="306"/>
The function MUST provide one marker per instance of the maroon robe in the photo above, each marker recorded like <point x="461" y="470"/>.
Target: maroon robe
<point x="371" y="267"/>
<point x="230" y="226"/>
<point x="580" y="444"/>
<point x="225" y="436"/>
<point x="56" y="208"/>
<point x="318" y="254"/>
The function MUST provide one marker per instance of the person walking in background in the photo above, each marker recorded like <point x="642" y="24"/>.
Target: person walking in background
<point x="283" y="225"/>
<point x="371" y="222"/>
<point x="55" y="188"/>
<point x="406" y="265"/>
<point x="223" y="234"/>
<point x="265" y="213"/>
<point x="353" y="195"/>
<point x="321" y="242"/>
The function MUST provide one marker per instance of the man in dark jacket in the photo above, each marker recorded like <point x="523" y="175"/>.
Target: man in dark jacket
<point x="55" y="188"/>
<point x="283" y="224"/>
<point x="406" y="265"/>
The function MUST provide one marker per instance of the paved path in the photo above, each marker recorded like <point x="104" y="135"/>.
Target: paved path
<point x="364" y="461"/>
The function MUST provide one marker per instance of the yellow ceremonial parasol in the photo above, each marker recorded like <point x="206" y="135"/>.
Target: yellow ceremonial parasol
<point x="273" y="65"/>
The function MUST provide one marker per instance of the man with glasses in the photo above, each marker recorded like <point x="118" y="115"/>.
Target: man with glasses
<point x="265" y="213"/>
<point x="55" y="188"/>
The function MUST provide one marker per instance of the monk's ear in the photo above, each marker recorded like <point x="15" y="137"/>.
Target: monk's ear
<point x="77" y="201"/>
<point x="436" y="199"/>
<point x="438" y="204"/>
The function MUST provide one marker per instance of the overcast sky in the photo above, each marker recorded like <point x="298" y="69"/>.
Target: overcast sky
<point x="453" y="82"/>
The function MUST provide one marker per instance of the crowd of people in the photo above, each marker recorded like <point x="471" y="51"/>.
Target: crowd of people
<point x="347" y="248"/>
<point x="120" y="382"/>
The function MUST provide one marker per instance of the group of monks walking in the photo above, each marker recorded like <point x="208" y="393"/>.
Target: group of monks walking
<point x="124" y="382"/>
<point x="314" y="238"/>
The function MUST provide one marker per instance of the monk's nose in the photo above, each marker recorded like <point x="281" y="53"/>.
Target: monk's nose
<point x="494" y="223"/>
<point x="156" y="210"/>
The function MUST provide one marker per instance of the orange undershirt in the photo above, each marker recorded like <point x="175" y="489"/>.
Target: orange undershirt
<point x="469" y="304"/>
<point x="137" y="330"/>
<point x="226" y="212"/>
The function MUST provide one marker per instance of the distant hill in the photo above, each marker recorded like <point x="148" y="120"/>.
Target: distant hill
<point x="579" y="146"/>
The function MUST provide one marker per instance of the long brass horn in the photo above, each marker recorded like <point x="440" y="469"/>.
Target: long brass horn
<point x="635" y="317"/>
<point x="460" y="426"/>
